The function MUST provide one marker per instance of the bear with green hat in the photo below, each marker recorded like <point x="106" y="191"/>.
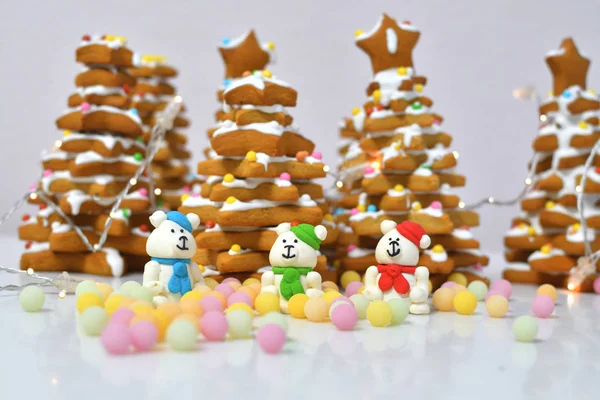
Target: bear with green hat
<point x="293" y="257"/>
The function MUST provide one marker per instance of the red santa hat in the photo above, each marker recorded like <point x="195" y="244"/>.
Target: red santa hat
<point x="415" y="233"/>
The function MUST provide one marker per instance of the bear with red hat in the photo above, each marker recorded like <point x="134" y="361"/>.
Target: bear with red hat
<point x="396" y="274"/>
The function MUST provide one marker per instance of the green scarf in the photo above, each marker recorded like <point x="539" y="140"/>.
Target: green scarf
<point x="290" y="283"/>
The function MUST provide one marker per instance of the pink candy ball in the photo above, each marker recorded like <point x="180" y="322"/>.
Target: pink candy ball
<point x="231" y="279"/>
<point x="186" y="189"/>
<point x="285" y="176"/>
<point x="344" y="317"/>
<point x="239" y="297"/>
<point x="597" y="285"/>
<point x="353" y="288"/>
<point x="47" y="172"/>
<point x="317" y="154"/>
<point x="144" y="335"/>
<point x="196" y="195"/>
<point x="211" y="303"/>
<point x="224" y="288"/>
<point x="436" y="205"/>
<point x="116" y="338"/>
<point x="213" y="326"/>
<point x="354" y="211"/>
<point x="143" y="191"/>
<point x="85" y="106"/>
<point x="351" y="247"/>
<point x="448" y="284"/>
<point x="493" y="292"/>
<point x="122" y="316"/>
<point x="271" y="338"/>
<point x="342" y="299"/>
<point x="503" y="286"/>
<point x="542" y="306"/>
<point x="369" y="169"/>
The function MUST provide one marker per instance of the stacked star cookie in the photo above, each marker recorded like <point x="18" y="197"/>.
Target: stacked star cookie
<point x="150" y="96"/>
<point x="548" y="235"/>
<point x="101" y="149"/>
<point x="260" y="170"/>
<point x="397" y="164"/>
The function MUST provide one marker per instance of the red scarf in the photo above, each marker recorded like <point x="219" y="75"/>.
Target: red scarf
<point x="391" y="276"/>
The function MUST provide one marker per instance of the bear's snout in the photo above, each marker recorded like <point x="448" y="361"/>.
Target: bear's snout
<point x="288" y="252"/>
<point x="182" y="243"/>
<point x="395" y="248"/>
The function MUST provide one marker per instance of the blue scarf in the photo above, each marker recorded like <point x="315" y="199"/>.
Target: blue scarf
<point x="180" y="280"/>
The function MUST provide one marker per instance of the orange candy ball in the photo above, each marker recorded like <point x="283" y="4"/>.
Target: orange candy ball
<point x="330" y="285"/>
<point x="191" y="306"/>
<point x="443" y="299"/>
<point x="316" y="309"/>
<point x="235" y="285"/>
<point x="169" y="309"/>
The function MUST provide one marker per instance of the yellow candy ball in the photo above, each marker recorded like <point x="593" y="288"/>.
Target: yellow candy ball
<point x="230" y="200"/>
<point x="228" y="178"/>
<point x="376" y="96"/>
<point x="236" y="248"/>
<point x="113" y="303"/>
<point x="360" y="290"/>
<point x="358" y="32"/>
<point x="240" y="306"/>
<point x="87" y="300"/>
<point x="465" y="302"/>
<point x="402" y="71"/>
<point x="211" y="283"/>
<point x="349" y="276"/>
<point x="250" y="281"/>
<point x="546" y="249"/>
<point x="330" y="296"/>
<point x="355" y="111"/>
<point x="202" y="289"/>
<point x="296" y="305"/>
<point x="591" y="91"/>
<point x="549" y="205"/>
<point x="184" y="197"/>
<point x="443" y="299"/>
<point x="266" y="302"/>
<point x="438" y="248"/>
<point x="459" y="278"/>
<point x="399" y="188"/>
<point x="416" y="206"/>
<point x="496" y="306"/>
<point x="170" y="309"/>
<point x="105" y="290"/>
<point x="316" y="309"/>
<point x="193" y="295"/>
<point x="141" y="307"/>
<point x="583" y="125"/>
<point x="271" y="46"/>
<point x="328" y="217"/>
<point x="418" y="87"/>
<point x="379" y="313"/>
<point x="330" y="284"/>
<point x="548" y="290"/>
<point x="429" y="286"/>
<point x="327" y="290"/>
<point x="66" y="132"/>
<point x="251" y="156"/>
<point x="361" y="208"/>
<point x="531" y="231"/>
<point x="162" y="322"/>
<point x="267" y="74"/>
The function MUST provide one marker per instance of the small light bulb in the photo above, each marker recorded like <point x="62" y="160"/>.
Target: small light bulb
<point x="339" y="184"/>
<point x="491" y="200"/>
<point x="57" y="144"/>
<point x="543" y="118"/>
<point x="97" y="246"/>
<point x="528" y="181"/>
<point x="157" y="191"/>
<point x="455" y="153"/>
<point x="578" y="189"/>
<point x="326" y="168"/>
<point x="54" y="381"/>
<point x="461" y="204"/>
<point x="571" y="286"/>
<point x="133" y="181"/>
<point x="62" y="294"/>
<point x="30" y="271"/>
<point x="33" y="196"/>
<point x="113" y="215"/>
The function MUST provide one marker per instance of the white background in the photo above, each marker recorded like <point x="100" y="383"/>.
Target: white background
<point x="473" y="52"/>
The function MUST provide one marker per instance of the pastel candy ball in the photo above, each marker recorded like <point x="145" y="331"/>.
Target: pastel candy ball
<point x="144" y="335"/>
<point x="105" y="290"/>
<point x="86" y="286"/>
<point x="344" y="316"/>
<point x="443" y="299"/>
<point x="271" y="338"/>
<point x="597" y="285"/>
<point x="190" y="318"/>
<point x="353" y="287"/>
<point x="250" y="281"/>
<point x="316" y="309"/>
<point x="113" y="303"/>
<point x="181" y="335"/>
<point x="239" y="297"/>
<point x="479" y="289"/>
<point x="86" y="300"/>
<point x="170" y="309"/>
<point x="122" y="316"/>
<point x="296" y="305"/>
<point x="361" y="303"/>
<point x="347" y="277"/>
<point x="32" y="298"/>
<point x="211" y="303"/>
<point x="379" y="313"/>
<point x="266" y="302"/>
<point x="330" y="285"/>
<point x="550" y="290"/>
<point x="127" y="287"/>
<point x="496" y="306"/>
<point x="239" y="323"/>
<point x="459" y="278"/>
<point x="465" y="302"/>
<point x="231" y="279"/>
<point x="494" y="292"/>
<point x="400" y="309"/>
<point x="224" y="288"/>
<point x="141" y="307"/>
<point x="317" y="154"/>
<point x="525" y="328"/>
<point x="242" y="307"/>
<point x="191" y="306"/>
<point x="458" y="288"/>
<point x="116" y="338"/>
<point x="219" y="296"/>
<point x="503" y="286"/>
<point x="210" y="282"/>
<point x="193" y="295"/>
<point x="213" y="326"/>
<point x="542" y="306"/>
<point x="274" y="318"/>
<point x="330" y="296"/>
<point x="235" y="285"/>
<point x="142" y="293"/>
<point x="93" y="320"/>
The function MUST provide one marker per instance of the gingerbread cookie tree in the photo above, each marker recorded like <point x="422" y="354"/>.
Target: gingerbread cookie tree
<point x="101" y="149"/>
<point x="259" y="171"/>
<point x="548" y="236"/>
<point x="397" y="164"/>
<point x="151" y="94"/>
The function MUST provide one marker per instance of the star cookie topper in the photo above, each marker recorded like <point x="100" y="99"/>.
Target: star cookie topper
<point x="244" y="53"/>
<point x="568" y="66"/>
<point x="388" y="44"/>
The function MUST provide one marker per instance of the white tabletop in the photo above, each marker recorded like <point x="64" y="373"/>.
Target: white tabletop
<point x="444" y="355"/>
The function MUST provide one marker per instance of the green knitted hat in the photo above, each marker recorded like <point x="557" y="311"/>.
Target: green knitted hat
<point x="306" y="233"/>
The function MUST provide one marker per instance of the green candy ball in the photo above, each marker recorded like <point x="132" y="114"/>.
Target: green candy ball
<point x="479" y="289"/>
<point x="93" y="320"/>
<point x="142" y="293"/>
<point x="525" y="328"/>
<point x="240" y="324"/>
<point x="128" y="287"/>
<point x="182" y="335"/>
<point x="32" y="298"/>
<point x="86" y="286"/>
<point x="361" y="303"/>
<point x="399" y="310"/>
<point x="276" y="318"/>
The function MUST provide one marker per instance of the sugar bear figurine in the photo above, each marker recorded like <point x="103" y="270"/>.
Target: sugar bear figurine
<point x="293" y="257"/>
<point x="171" y="273"/>
<point x="396" y="273"/>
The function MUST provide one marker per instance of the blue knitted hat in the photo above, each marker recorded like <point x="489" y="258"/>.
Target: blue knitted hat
<point x="180" y="219"/>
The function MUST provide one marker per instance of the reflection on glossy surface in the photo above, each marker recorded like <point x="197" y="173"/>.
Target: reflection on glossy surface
<point x="460" y="356"/>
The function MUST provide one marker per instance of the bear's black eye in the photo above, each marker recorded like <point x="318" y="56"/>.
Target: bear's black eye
<point x="390" y="239"/>
<point x="295" y="240"/>
<point x="172" y="230"/>
<point x="181" y="230"/>
<point x="284" y="240"/>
